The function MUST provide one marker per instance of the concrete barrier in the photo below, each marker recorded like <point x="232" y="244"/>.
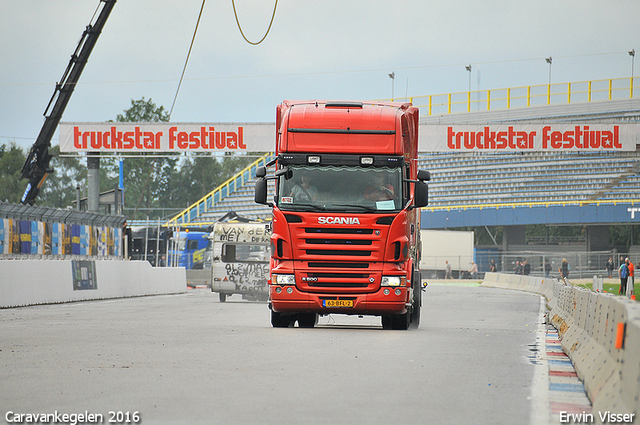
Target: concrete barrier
<point x="31" y="282"/>
<point x="605" y="354"/>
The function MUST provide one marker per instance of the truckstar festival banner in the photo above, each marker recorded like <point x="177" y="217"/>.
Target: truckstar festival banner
<point x="581" y="137"/>
<point x="166" y="137"/>
<point x="260" y="137"/>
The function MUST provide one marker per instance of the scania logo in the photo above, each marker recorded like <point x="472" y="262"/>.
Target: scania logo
<point x="338" y="220"/>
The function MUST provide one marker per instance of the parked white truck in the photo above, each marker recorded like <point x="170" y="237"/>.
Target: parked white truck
<point x="240" y="260"/>
<point x="442" y="247"/>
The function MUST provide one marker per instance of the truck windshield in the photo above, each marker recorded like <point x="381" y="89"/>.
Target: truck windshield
<point x="340" y="188"/>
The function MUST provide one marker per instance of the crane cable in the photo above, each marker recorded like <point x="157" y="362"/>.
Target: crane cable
<point x="240" y="28"/>
<point x="187" y="60"/>
<point x="194" y="38"/>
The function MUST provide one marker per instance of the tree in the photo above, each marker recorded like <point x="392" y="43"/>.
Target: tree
<point x="159" y="185"/>
<point x="145" y="179"/>
<point x="60" y="188"/>
<point x="11" y="160"/>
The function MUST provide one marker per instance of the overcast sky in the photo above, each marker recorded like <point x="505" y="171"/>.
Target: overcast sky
<point x="317" y="49"/>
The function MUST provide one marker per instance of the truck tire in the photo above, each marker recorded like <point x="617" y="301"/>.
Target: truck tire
<point x="401" y="322"/>
<point x="398" y="322"/>
<point x="282" y="320"/>
<point x="307" y="320"/>
<point x="222" y="296"/>
<point x="417" y="299"/>
<point x="387" y="322"/>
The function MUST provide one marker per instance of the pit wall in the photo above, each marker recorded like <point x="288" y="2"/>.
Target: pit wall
<point x="31" y="282"/>
<point x="600" y="332"/>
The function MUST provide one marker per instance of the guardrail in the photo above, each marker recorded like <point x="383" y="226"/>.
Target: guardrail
<point x="600" y="332"/>
<point x="214" y="197"/>
<point x="525" y="96"/>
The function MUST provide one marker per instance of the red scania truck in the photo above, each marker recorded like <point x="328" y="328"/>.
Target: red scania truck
<point x="346" y="218"/>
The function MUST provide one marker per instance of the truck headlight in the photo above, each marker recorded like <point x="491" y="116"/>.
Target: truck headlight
<point x="394" y="281"/>
<point x="284" y="279"/>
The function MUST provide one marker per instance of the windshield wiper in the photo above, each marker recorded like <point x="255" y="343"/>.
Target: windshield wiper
<point x="315" y="207"/>
<point x="364" y="207"/>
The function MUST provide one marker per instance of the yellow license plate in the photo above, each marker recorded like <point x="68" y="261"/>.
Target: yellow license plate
<point x="337" y="303"/>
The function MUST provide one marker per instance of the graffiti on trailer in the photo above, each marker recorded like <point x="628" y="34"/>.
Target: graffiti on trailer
<point x="241" y="234"/>
<point x="248" y="277"/>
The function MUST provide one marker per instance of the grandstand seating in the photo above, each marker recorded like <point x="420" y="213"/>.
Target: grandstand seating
<point x="473" y="179"/>
<point x="460" y="179"/>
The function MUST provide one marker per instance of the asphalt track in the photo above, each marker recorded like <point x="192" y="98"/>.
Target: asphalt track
<point x="189" y="359"/>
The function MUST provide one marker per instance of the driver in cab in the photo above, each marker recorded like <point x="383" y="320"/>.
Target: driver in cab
<point x="378" y="190"/>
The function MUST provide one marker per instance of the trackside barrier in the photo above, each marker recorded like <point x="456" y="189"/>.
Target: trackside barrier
<point x="600" y="332"/>
<point x="31" y="282"/>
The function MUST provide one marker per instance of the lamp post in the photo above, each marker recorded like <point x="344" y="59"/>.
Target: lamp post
<point x="632" y="53"/>
<point x="549" y="60"/>
<point x="393" y="80"/>
<point x="468" y="68"/>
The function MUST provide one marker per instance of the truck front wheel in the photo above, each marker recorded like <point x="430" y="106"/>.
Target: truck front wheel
<point x="417" y="300"/>
<point x="398" y="322"/>
<point x="282" y="320"/>
<point x="307" y="320"/>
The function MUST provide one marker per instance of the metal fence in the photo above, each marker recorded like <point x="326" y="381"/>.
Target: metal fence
<point x="525" y="96"/>
<point x="582" y="265"/>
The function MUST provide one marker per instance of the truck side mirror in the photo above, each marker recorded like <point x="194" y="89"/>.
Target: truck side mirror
<point x="261" y="172"/>
<point x="424" y="175"/>
<point x="260" y="193"/>
<point x="421" y="194"/>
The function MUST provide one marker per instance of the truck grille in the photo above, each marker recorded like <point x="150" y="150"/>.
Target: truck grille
<point x="357" y="253"/>
<point x="339" y="259"/>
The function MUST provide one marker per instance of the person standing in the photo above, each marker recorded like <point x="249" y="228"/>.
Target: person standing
<point x="473" y="271"/>
<point x="630" y="279"/>
<point x="448" y="274"/>
<point x="609" y="267"/>
<point x="492" y="267"/>
<point x="547" y="268"/>
<point x="623" y="273"/>
<point x="564" y="269"/>
<point x="518" y="268"/>
<point x="526" y="268"/>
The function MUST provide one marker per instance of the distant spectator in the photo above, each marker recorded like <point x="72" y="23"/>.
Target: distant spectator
<point x="518" y="268"/>
<point x="630" y="279"/>
<point x="623" y="273"/>
<point x="547" y="268"/>
<point x="609" y="267"/>
<point x="473" y="271"/>
<point x="564" y="269"/>
<point x="492" y="267"/>
<point x="526" y="268"/>
<point x="448" y="274"/>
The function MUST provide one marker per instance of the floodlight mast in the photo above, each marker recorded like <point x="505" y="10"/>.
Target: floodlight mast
<point x="36" y="167"/>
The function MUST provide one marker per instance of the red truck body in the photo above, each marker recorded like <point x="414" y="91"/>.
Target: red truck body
<point x="346" y="218"/>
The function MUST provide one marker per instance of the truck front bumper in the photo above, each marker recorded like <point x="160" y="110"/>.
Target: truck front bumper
<point x="288" y="299"/>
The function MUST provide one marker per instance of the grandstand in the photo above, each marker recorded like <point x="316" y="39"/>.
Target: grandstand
<point x="461" y="180"/>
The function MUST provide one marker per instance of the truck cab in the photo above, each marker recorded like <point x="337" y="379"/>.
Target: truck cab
<point x="187" y="249"/>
